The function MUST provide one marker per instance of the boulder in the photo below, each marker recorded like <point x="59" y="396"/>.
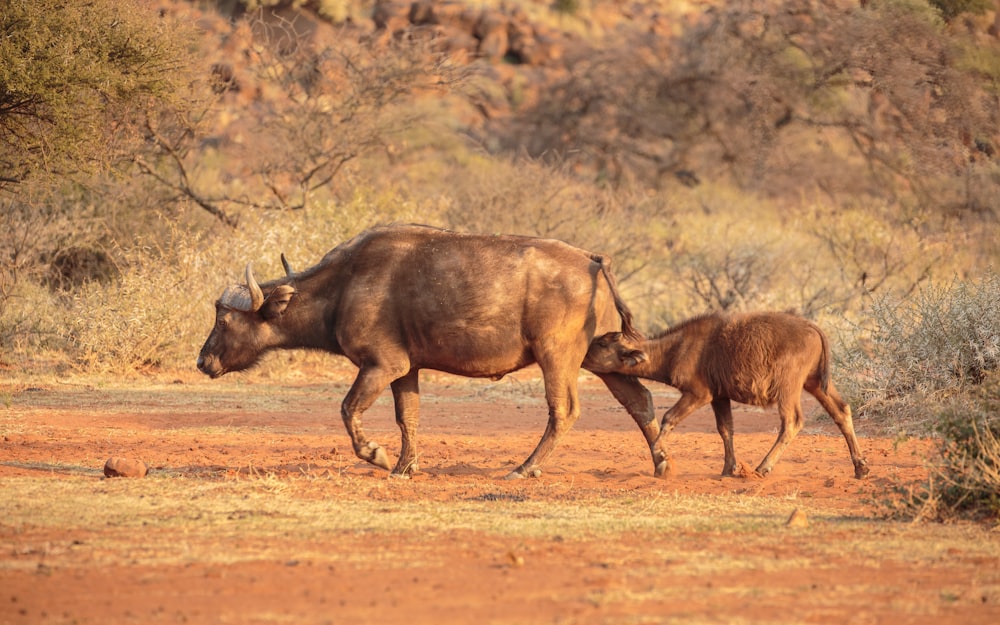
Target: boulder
<point x="125" y="467"/>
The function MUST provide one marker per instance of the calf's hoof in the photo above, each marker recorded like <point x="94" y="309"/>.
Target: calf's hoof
<point x="664" y="469"/>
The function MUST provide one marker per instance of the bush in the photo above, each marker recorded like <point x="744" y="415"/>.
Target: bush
<point x="967" y="478"/>
<point x="964" y="479"/>
<point x="917" y="353"/>
<point x="156" y="314"/>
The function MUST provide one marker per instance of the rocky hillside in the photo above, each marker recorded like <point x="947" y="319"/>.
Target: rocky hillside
<point x="804" y="94"/>
<point x="520" y="46"/>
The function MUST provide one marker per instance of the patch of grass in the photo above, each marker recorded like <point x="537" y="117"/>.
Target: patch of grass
<point x="78" y="521"/>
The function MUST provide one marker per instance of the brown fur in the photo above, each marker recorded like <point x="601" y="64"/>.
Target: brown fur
<point x="760" y="359"/>
<point x="398" y="299"/>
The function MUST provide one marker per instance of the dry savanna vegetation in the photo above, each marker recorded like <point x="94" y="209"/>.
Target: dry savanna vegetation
<point x="835" y="158"/>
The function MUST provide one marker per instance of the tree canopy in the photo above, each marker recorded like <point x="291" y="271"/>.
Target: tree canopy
<point x="73" y="75"/>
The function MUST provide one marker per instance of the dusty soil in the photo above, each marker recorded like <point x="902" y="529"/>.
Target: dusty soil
<point x="738" y="563"/>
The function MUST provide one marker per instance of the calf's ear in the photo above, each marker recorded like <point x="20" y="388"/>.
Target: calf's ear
<point x="605" y="340"/>
<point x="276" y="303"/>
<point x="633" y="357"/>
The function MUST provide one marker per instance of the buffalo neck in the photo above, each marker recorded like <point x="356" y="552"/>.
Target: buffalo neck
<point x="663" y="353"/>
<point x="308" y="321"/>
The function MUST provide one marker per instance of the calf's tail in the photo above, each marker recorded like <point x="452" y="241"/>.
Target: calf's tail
<point x="628" y="329"/>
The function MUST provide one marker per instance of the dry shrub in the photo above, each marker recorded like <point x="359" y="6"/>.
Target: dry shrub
<point x="528" y="197"/>
<point x="733" y="252"/>
<point x="914" y="354"/>
<point x="51" y="242"/>
<point x="145" y="319"/>
<point x="161" y="309"/>
<point x="729" y="250"/>
<point x="964" y="479"/>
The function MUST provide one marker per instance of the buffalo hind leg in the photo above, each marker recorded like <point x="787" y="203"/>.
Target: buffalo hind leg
<point x="790" y="409"/>
<point x="564" y="409"/>
<point x="638" y="401"/>
<point x="840" y="412"/>
<point x="406" y="395"/>
<point x="724" y="424"/>
<point x="365" y="390"/>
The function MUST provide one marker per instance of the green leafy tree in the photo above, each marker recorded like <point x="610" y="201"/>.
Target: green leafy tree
<point x="72" y="77"/>
<point x="76" y="78"/>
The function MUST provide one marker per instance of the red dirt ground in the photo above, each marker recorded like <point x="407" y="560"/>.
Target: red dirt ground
<point x="472" y="434"/>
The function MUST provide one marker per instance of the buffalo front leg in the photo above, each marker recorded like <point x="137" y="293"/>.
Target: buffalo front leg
<point x="406" y="394"/>
<point x="724" y="424"/>
<point x="638" y="402"/>
<point x="363" y="393"/>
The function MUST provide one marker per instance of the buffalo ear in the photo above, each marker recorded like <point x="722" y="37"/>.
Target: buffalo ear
<point x="633" y="357"/>
<point x="276" y="303"/>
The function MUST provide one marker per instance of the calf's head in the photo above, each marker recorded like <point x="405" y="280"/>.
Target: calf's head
<point x="244" y="326"/>
<point x="612" y="353"/>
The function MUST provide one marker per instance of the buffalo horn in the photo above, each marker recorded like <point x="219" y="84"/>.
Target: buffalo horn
<point x="256" y="295"/>
<point x="288" y="268"/>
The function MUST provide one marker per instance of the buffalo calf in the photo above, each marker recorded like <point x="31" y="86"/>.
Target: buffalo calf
<point x="760" y="359"/>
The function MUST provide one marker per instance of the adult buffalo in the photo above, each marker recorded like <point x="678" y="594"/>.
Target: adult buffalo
<point x="397" y="299"/>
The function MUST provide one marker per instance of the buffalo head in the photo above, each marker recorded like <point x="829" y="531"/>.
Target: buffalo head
<point x="244" y="328"/>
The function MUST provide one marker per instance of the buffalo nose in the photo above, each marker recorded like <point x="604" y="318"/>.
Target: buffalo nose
<point x="201" y="363"/>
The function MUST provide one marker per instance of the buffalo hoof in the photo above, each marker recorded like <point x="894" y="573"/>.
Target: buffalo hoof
<point x="405" y="470"/>
<point x="400" y="476"/>
<point x="861" y="470"/>
<point x="517" y="474"/>
<point x="376" y="455"/>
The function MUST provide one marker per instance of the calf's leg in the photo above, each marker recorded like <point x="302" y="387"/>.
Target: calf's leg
<point x="840" y="412"/>
<point x="689" y="402"/>
<point x="638" y="401"/>
<point x="790" y="409"/>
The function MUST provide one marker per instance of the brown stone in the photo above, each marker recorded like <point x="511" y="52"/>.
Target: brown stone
<point x="125" y="467"/>
<point x="797" y="519"/>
